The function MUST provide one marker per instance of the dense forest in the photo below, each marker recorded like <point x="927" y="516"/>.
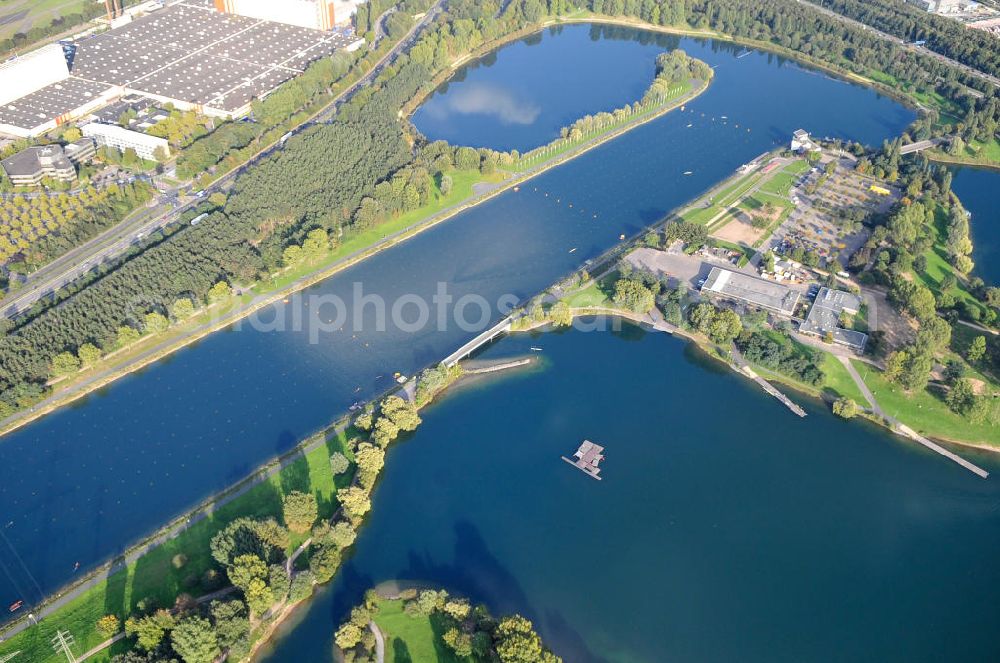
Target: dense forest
<point x="360" y="168"/>
<point x="976" y="48"/>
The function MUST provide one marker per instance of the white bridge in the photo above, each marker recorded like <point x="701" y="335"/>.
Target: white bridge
<point x="501" y="327"/>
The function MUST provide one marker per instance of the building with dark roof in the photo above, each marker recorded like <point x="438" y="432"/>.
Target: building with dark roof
<point x="741" y="287"/>
<point x="31" y="165"/>
<point x="824" y="318"/>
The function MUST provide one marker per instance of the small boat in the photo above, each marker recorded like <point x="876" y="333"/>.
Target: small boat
<point x="15" y="606"/>
<point x="534" y="349"/>
<point x="725" y="117"/>
<point x="516" y="189"/>
<point x="689" y="126"/>
<point x="401" y="379"/>
<point x="572" y="250"/>
<point x="622" y="236"/>
<point x="688" y="172"/>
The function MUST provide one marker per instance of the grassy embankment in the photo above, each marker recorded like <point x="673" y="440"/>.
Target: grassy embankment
<point x="939" y="264"/>
<point x="156" y="575"/>
<point x="926" y="412"/>
<point x="441" y="206"/>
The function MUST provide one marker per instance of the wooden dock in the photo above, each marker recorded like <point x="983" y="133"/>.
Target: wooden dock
<point x="588" y="459"/>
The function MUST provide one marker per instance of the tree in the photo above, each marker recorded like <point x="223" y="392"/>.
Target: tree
<point x="561" y="314"/>
<point x="961" y="397"/>
<point x="182" y="308"/>
<point x="977" y="350"/>
<point x="348" y="636"/>
<point x="338" y="463"/>
<point x="725" y="326"/>
<point x="155" y="323"/>
<point x="370" y="460"/>
<point x="894" y="365"/>
<point x="108" y="625"/>
<point x="195" y="640"/>
<point x="459" y="642"/>
<point x="65" y="363"/>
<point x="632" y="295"/>
<point x="384" y="432"/>
<point x="89" y="354"/>
<point x="149" y="630"/>
<point x="246" y="569"/>
<point x="355" y="501"/>
<point x="845" y="408"/>
<point x="232" y="622"/>
<point x="301" y="586"/>
<point x="402" y="413"/>
<point x="300" y="511"/>
<point x="259" y="597"/>
<point x="219" y="292"/>
<point x="324" y="561"/>
<point x="517" y="642"/>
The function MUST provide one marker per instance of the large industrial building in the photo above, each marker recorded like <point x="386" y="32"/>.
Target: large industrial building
<point x="316" y="14"/>
<point x="188" y="54"/>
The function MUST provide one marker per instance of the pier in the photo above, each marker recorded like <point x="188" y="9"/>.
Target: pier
<point x="743" y="367"/>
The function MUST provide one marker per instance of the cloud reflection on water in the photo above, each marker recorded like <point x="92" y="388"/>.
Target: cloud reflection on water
<point x="484" y="99"/>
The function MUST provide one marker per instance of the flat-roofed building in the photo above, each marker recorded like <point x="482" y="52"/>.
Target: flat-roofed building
<point x="315" y="14"/>
<point x="111" y="135"/>
<point x="24" y="74"/>
<point x="824" y="318"/>
<point x="32" y="165"/>
<point x="747" y="289"/>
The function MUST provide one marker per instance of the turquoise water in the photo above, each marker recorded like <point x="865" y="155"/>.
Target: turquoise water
<point x="725" y="528"/>
<point x="978" y="189"/>
<point x="115" y="466"/>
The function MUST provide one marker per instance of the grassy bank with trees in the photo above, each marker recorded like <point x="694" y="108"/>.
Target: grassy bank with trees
<point x="224" y="576"/>
<point x="431" y="626"/>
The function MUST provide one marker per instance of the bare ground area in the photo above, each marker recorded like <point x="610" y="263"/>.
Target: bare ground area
<point x="739" y="231"/>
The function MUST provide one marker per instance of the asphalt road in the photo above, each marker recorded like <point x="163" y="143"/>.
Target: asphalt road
<point x="110" y="245"/>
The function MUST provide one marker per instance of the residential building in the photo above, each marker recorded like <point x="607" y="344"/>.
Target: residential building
<point x="112" y="135"/>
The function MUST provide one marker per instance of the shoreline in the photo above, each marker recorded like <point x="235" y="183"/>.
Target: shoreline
<point x="168" y="347"/>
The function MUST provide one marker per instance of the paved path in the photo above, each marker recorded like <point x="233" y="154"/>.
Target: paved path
<point x="973" y="325"/>
<point x="905" y="430"/>
<point x="865" y="391"/>
<point x="379" y="642"/>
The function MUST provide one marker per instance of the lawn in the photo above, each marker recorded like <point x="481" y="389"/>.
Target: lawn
<point x="155" y="575"/>
<point x="838" y="382"/>
<point x="592" y="295"/>
<point x="938" y="265"/>
<point x="36" y="13"/>
<point x="924" y="412"/>
<point x="781" y="183"/>
<point x="411" y="639"/>
<point x="723" y="199"/>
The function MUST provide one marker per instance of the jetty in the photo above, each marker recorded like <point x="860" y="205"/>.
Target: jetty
<point x="742" y="366"/>
<point x="588" y="459"/>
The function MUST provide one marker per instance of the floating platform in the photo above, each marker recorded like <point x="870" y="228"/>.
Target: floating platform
<point x="587" y="459"/>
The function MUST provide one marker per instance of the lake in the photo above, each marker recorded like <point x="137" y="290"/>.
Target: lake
<point x="725" y="528"/>
<point x="978" y="189"/>
<point x="107" y="471"/>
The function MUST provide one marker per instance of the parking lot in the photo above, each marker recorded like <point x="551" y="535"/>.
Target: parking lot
<point x="829" y="212"/>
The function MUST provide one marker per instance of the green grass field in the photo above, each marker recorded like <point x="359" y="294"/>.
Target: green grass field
<point x="35" y="13"/>
<point x="781" y="183"/>
<point x="924" y="412"/>
<point x="154" y="575"/>
<point x="592" y="295"/>
<point x="412" y="639"/>
<point x="939" y="265"/>
<point x="838" y="382"/>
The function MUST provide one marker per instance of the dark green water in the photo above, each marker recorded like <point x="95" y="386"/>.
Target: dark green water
<point x="725" y="529"/>
<point x="120" y="463"/>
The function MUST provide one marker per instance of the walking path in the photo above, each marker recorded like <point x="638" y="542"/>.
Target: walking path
<point x="379" y="642"/>
<point x="902" y="428"/>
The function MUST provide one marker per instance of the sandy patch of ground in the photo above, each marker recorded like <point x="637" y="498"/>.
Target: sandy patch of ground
<point x="739" y="231"/>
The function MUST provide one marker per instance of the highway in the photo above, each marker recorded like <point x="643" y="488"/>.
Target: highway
<point x="993" y="80"/>
<point x="168" y="207"/>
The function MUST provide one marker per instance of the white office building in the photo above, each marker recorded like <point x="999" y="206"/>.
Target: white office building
<point x="111" y="135"/>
